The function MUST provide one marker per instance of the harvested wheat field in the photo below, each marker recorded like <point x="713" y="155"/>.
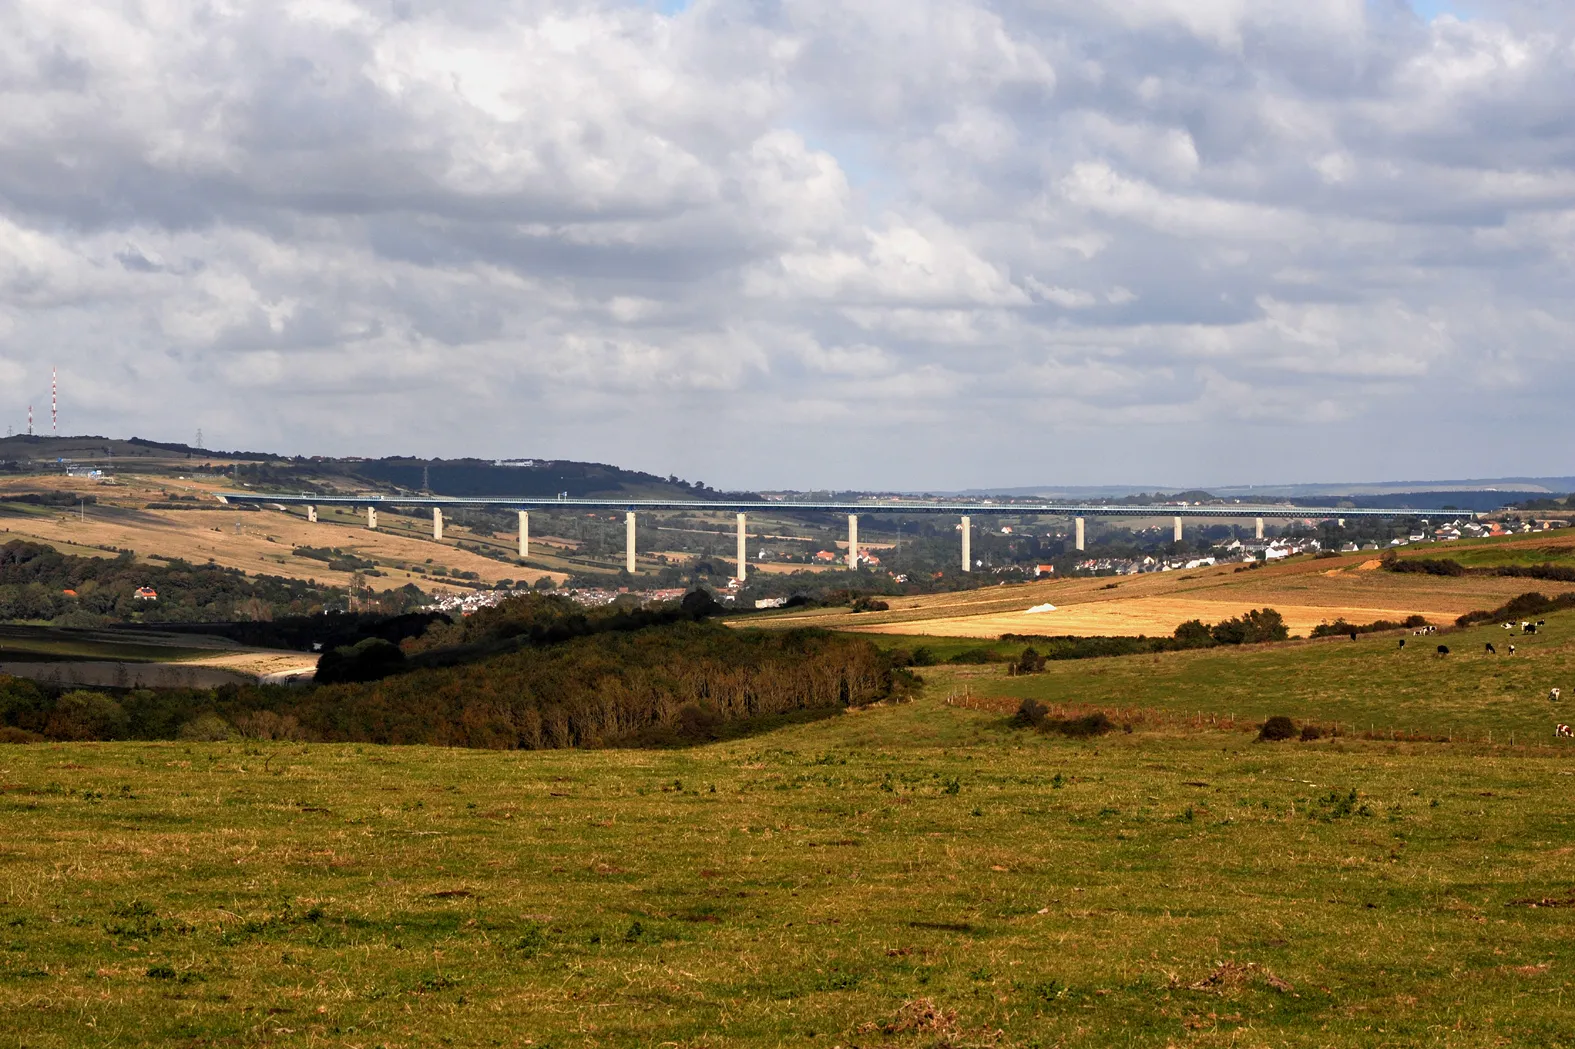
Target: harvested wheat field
<point x="1305" y="591"/>
<point x="259" y="543"/>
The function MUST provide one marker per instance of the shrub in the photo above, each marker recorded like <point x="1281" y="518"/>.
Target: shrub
<point x="206" y="728"/>
<point x="1030" y="662"/>
<point x="368" y="660"/>
<point x="869" y="604"/>
<point x="1030" y="713"/>
<point x="1095" y="724"/>
<point x="1310" y="733"/>
<point x="12" y="734"/>
<point x="923" y="657"/>
<point x="1255" y="627"/>
<point x="83" y="715"/>
<point x="1277" y="728"/>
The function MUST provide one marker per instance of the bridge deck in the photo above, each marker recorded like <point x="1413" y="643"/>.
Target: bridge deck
<point x="780" y="506"/>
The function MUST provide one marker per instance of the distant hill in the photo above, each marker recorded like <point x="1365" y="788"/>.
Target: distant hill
<point x="37" y="448"/>
<point x="1424" y="494"/>
<point x="463" y="478"/>
<point x="481" y="478"/>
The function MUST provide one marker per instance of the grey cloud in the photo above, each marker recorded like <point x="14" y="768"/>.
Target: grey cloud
<point x="978" y="241"/>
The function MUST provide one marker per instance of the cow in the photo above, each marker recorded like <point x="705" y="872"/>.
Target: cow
<point x="1402" y="642"/>
<point x="1491" y="650"/>
<point x="1443" y="650"/>
<point x="1553" y="695"/>
<point x="1511" y="649"/>
<point x="1564" y="730"/>
<point x="1542" y="622"/>
<point x="1353" y="635"/>
<point x="1529" y="628"/>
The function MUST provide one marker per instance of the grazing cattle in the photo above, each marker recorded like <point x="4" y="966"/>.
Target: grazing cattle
<point x="1529" y="628"/>
<point x="1511" y="649"/>
<point x="1402" y="642"/>
<point x="1353" y="635"/>
<point x="1563" y="730"/>
<point x="1509" y="626"/>
<point x="1553" y="695"/>
<point x="1443" y="650"/>
<point x="1491" y="650"/>
<point x="1542" y="622"/>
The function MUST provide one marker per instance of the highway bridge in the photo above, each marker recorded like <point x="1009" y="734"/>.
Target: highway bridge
<point x="966" y="511"/>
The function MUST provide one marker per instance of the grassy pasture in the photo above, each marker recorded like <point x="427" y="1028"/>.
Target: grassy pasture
<point x="1538" y="548"/>
<point x="1367" y="682"/>
<point x="826" y="884"/>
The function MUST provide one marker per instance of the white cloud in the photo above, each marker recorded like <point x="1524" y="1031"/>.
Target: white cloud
<point x="597" y="231"/>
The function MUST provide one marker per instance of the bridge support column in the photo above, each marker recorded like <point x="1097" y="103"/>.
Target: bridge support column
<point x="1260" y="528"/>
<point x="628" y="541"/>
<point x="853" y="542"/>
<point x="311" y="514"/>
<point x="371" y="517"/>
<point x="967" y="543"/>
<point x="1082" y="541"/>
<point x="743" y="548"/>
<point x="524" y="535"/>
<point x="1178" y="529"/>
<point x="437" y="523"/>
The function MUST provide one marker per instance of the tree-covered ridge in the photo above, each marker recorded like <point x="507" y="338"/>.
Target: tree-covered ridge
<point x="681" y="681"/>
<point x="605" y="688"/>
<point x="35" y="580"/>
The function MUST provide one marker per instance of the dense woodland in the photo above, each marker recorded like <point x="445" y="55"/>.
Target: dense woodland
<point x="536" y="672"/>
<point x="38" y="582"/>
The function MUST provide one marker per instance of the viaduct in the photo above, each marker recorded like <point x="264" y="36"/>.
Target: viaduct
<point x="966" y="511"/>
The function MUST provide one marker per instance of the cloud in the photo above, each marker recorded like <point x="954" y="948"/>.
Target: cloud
<point x="978" y="243"/>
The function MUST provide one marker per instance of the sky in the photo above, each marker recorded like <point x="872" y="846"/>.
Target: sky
<point x="880" y="244"/>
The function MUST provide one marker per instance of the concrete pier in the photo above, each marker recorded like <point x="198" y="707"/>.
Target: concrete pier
<point x="967" y="543"/>
<point x="437" y="523"/>
<point x="853" y="542"/>
<point x="1178" y="529"/>
<point x="628" y="541"/>
<point x="1082" y="542"/>
<point x="743" y="549"/>
<point x="524" y="535"/>
<point x="1260" y="528"/>
<point x="311" y="514"/>
<point x="371" y="517"/>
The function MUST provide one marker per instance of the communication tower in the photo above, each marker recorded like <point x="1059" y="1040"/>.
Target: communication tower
<point x="54" y="404"/>
<point x="30" y="420"/>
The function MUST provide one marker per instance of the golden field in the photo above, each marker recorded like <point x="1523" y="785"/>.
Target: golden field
<point x="1306" y="591"/>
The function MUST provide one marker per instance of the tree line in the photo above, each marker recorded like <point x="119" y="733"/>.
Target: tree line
<point x="536" y="672"/>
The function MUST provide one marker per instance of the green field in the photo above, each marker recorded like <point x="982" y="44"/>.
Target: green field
<point x="1363" y="685"/>
<point x="917" y="875"/>
<point x="1556" y="547"/>
<point x="24" y="643"/>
